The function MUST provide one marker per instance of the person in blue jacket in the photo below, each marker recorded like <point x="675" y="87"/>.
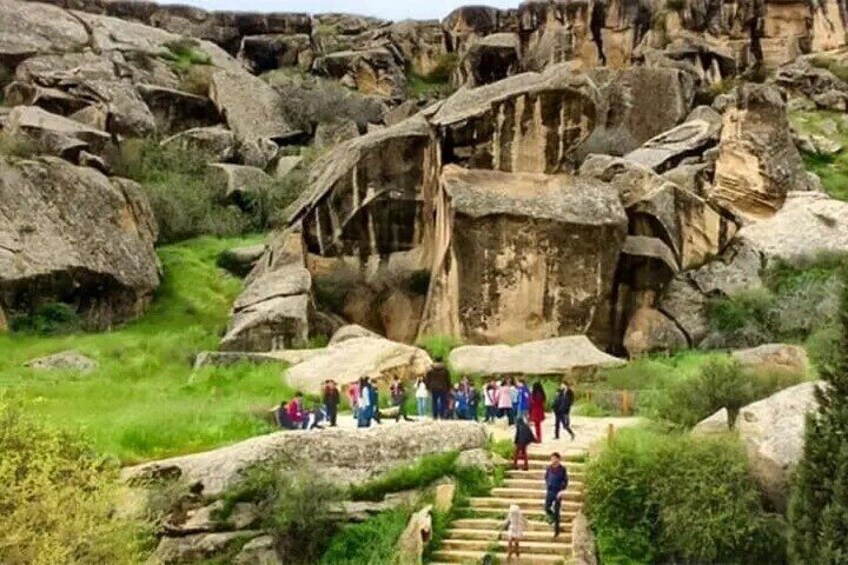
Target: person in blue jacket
<point x="522" y="400"/>
<point x="556" y="481"/>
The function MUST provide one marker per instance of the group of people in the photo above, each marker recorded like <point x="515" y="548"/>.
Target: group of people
<point x="293" y="415"/>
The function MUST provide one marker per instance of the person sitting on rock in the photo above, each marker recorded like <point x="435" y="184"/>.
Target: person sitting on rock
<point x="281" y="414"/>
<point x="296" y="413"/>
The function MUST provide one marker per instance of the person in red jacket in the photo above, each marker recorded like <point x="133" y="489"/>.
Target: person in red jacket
<point x="537" y="409"/>
<point x="296" y="414"/>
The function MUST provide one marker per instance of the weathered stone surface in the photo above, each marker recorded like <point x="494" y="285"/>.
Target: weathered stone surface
<point x="565" y="233"/>
<point x="239" y="182"/>
<point x="259" y="551"/>
<point x="126" y="112"/>
<point x="651" y="331"/>
<point x="330" y="134"/>
<point x="583" y="541"/>
<point x="241" y="260"/>
<point x="54" y="134"/>
<point x="64" y="361"/>
<point x="352" y="331"/>
<point x="272" y="51"/>
<point x="199" y="547"/>
<point x="413" y="540"/>
<point x="772" y="431"/>
<point x="718" y="423"/>
<point x="230" y="358"/>
<point x="817" y="145"/>
<point x="372" y="72"/>
<point x="276" y="323"/>
<point x="217" y="141"/>
<point x="668" y="149"/>
<point x="53" y="248"/>
<point x="51" y="99"/>
<point x="175" y="110"/>
<point x="287" y="281"/>
<point x="39" y="28"/>
<point x="345" y="456"/>
<point x="825" y="229"/>
<point x="489" y="60"/>
<point x="287" y="164"/>
<point x="687" y="306"/>
<point x="443" y="497"/>
<point x="775" y="357"/>
<point x="758" y="163"/>
<point x="203" y="520"/>
<point x="347" y="361"/>
<point x="558" y="356"/>
<point x="736" y="270"/>
<point x="480" y="459"/>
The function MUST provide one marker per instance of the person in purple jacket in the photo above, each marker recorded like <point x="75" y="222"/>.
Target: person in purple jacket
<point x="556" y="481"/>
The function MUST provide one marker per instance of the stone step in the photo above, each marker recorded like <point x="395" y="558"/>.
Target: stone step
<point x="539" y="475"/>
<point x="523" y="503"/>
<point x="494" y="512"/>
<point x="500" y="533"/>
<point x="541" y="547"/>
<point x="572" y="494"/>
<point x="539" y="484"/>
<point x="536" y="453"/>
<point x="542" y="464"/>
<point x="491" y="524"/>
<point x="458" y="556"/>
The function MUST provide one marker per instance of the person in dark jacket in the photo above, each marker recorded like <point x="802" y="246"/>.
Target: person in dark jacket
<point x="281" y="414"/>
<point x="375" y="402"/>
<point x="523" y="437"/>
<point x="398" y="394"/>
<point x="331" y="402"/>
<point x="439" y="384"/>
<point x="556" y="481"/>
<point x="562" y="410"/>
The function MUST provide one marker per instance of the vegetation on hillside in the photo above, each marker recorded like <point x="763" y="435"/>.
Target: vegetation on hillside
<point x="832" y="169"/>
<point x="818" y="510"/>
<point x="58" y="498"/>
<point x="676" y="498"/>
<point x="144" y="401"/>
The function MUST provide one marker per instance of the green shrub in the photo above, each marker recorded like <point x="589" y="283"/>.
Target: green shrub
<point x="295" y="505"/>
<point x="48" y="319"/>
<point x="369" y="543"/>
<point x="418" y="475"/>
<point x="58" y="499"/>
<point x="439" y="346"/>
<point x="654" y="498"/>
<point x="267" y="204"/>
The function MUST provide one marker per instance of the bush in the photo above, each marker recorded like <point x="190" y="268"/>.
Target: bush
<point x="314" y="100"/>
<point x="58" y="499"/>
<point x="439" y="346"/>
<point x="654" y="498"/>
<point x="48" y="319"/>
<point x="369" y="543"/>
<point x="421" y="474"/>
<point x="296" y="507"/>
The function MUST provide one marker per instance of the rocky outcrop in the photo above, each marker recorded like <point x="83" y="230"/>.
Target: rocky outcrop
<point x="346" y="456"/>
<point x="52" y="245"/>
<point x="217" y="142"/>
<point x="651" y="331"/>
<point x="38" y="29"/>
<point x="772" y="432"/>
<point x="53" y="134"/>
<point x="559" y="356"/>
<point x="239" y="183"/>
<point x="373" y="72"/>
<point x="775" y="357"/>
<point x="199" y="547"/>
<point x="414" y="539"/>
<point x="240" y="260"/>
<point x="349" y="360"/>
<point x="72" y="361"/>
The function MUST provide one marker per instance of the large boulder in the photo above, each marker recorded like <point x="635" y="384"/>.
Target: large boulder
<point x="775" y="357"/>
<point x="36" y="29"/>
<point x="239" y="183"/>
<point x="558" y="356"/>
<point x="651" y="331"/>
<point x="349" y="360"/>
<point x="72" y="361"/>
<point x="824" y="223"/>
<point x="217" y="141"/>
<point x="529" y="256"/>
<point x="54" y="134"/>
<point x="489" y="60"/>
<point x="70" y="234"/>
<point x="758" y="163"/>
<point x="772" y="431"/>
<point x="373" y="72"/>
<point x="346" y="456"/>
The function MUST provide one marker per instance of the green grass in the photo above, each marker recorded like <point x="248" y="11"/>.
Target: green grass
<point x="832" y="169"/>
<point x="421" y="474"/>
<point x="143" y="401"/>
<point x="370" y="543"/>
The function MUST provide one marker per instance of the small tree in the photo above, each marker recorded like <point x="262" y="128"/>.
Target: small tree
<point x="818" y="511"/>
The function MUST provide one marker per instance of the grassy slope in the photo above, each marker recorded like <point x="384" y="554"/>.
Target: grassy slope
<point x="833" y="170"/>
<point x="143" y="402"/>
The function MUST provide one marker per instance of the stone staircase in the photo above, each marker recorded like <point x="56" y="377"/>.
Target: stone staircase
<point x="469" y="539"/>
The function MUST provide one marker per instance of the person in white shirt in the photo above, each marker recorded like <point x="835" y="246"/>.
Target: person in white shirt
<point x="421" y="396"/>
<point x="490" y="401"/>
<point x="364" y="420"/>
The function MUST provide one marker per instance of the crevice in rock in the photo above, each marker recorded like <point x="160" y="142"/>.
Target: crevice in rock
<point x="599" y="14"/>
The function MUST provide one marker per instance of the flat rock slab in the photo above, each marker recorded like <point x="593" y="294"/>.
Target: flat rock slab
<point x="230" y="358"/>
<point x="64" y="361"/>
<point x="557" y="356"/>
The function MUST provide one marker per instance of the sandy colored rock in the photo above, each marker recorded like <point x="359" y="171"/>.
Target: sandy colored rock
<point x="718" y="423"/>
<point x="64" y="361"/>
<point x="217" y="141"/>
<point x="443" y="497"/>
<point x="54" y="134"/>
<point x="583" y="541"/>
<point x="413" y="540"/>
<point x="330" y="134"/>
<point x="40" y="28"/>
<point x="775" y="357"/>
<point x="557" y="356"/>
<point x="346" y="456"/>
<point x="200" y="547"/>
<point x="239" y="183"/>
<point x="651" y="331"/>
<point x="347" y="361"/>
<point x="277" y="323"/>
<point x="686" y="305"/>
<point x="772" y="432"/>
<point x="259" y="551"/>
<point x="230" y="358"/>
<point x="52" y="245"/>
<point x="286" y="164"/>
<point x="352" y="331"/>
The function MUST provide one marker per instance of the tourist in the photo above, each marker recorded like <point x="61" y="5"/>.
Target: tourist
<point x="421" y="395"/>
<point x="505" y="401"/>
<point x="398" y="396"/>
<point x="314" y="418"/>
<point x="537" y="409"/>
<point x="460" y="395"/>
<point x="562" y="410"/>
<point x="473" y="397"/>
<point x="281" y="414"/>
<point x="515" y="526"/>
<point x="556" y="481"/>
<point x="353" y="399"/>
<point x="296" y="413"/>
<point x="522" y="400"/>
<point x="523" y="438"/>
<point x="439" y="384"/>
<point x="331" y="402"/>
<point x="490" y="401"/>
<point x="374" y="391"/>
<point x="364" y="404"/>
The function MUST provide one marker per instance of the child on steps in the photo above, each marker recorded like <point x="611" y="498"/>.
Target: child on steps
<point x="515" y="526"/>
